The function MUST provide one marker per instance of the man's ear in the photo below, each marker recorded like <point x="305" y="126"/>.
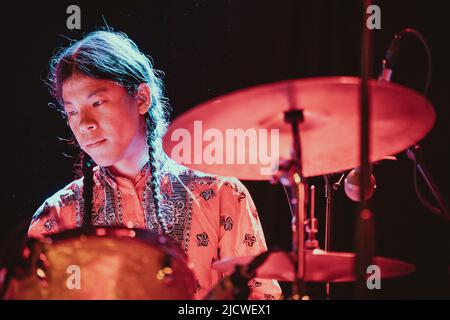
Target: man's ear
<point x="143" y="98"/>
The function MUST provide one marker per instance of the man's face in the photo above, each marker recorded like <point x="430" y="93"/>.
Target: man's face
<point x="105" y="120"/>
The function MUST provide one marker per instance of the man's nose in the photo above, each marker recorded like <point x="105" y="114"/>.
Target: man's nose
<point x="87" y="123"/>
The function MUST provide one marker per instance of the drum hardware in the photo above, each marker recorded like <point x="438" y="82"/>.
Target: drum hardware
<point x="311" y="224"/>
<point x="235" y="285"/>
<point x="297" y="186"/>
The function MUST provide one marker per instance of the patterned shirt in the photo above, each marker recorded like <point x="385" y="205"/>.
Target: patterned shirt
<point x="210" y="217"/>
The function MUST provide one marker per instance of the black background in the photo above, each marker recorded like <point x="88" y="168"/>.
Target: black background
<point x="209" y="48"/>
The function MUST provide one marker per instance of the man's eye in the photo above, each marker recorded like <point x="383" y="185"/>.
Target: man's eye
<point x="97" y="103"/>
<point x="71" y="113"/>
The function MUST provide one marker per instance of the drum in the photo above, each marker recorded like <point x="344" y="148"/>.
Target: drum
<point x="102" y="263"/>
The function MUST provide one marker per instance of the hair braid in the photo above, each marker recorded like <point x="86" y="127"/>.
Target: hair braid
<point x="88" y="187"/>
<point x="154" y="181"/>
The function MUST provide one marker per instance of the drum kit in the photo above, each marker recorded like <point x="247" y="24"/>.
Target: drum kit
<point x="156" y="269"/>
<point x="329" y="127"/>
<point x="317" y="121"/>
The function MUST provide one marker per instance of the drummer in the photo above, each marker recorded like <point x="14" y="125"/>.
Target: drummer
<point x="113" y="102"/>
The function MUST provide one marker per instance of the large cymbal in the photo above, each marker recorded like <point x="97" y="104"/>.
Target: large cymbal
<point x="322" y="266"/>
<point x="329" y="132"/>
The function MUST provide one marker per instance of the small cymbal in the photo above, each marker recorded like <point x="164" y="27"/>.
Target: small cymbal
<point x="321" y="266"/>
<point x="329" y="133"/>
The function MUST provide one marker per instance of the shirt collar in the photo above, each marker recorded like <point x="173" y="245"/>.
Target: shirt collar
<point x="105" y="175"/>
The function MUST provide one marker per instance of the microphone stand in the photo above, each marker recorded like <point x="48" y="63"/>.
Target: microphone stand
<point x="364" y="226"/>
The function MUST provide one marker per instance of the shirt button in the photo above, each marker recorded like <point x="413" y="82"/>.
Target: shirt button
<point x="131" y="224"/>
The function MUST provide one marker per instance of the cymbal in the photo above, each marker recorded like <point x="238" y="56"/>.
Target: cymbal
<point x="321" y="266"/>
<point x="329" y="133"/>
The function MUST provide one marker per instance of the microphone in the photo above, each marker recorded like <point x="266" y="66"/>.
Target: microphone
<point x="390" y="58"/>
<point x="351" y="186"/>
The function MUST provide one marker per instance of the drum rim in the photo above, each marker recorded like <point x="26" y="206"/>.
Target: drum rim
<point x="113" y="232"/>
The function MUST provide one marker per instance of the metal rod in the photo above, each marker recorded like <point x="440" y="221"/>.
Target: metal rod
<point x="364" y="226"/>
<point x="294" y="116"/>
<point x="328" y="219"/>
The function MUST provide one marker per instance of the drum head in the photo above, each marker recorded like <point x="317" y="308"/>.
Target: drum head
<point x="104" y="263"/>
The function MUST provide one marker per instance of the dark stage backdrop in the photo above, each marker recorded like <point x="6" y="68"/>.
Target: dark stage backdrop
<point x="209" y="48"/>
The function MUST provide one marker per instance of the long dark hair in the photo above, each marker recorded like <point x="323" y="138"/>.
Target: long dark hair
<point x="110" y="55"/>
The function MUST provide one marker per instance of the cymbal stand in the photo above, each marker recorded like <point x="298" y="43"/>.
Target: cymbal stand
<point x="290" y="175"/>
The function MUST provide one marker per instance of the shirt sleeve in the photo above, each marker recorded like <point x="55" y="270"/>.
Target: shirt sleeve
<point x="57" y="213"/>
<point x="241" y="234"/>
<point x="45" y="221"/>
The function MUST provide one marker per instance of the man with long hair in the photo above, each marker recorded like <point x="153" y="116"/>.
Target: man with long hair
<point x="113" y="102"/>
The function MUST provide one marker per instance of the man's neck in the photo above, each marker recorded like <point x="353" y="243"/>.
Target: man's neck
<point x="129" y="169"/>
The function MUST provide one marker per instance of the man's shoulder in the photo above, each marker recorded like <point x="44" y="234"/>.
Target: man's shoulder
<point x="66" y="196"/>
<point x="203" y="179"/>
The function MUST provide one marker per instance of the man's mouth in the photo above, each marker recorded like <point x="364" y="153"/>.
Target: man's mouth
<point x="95" y="144"/>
